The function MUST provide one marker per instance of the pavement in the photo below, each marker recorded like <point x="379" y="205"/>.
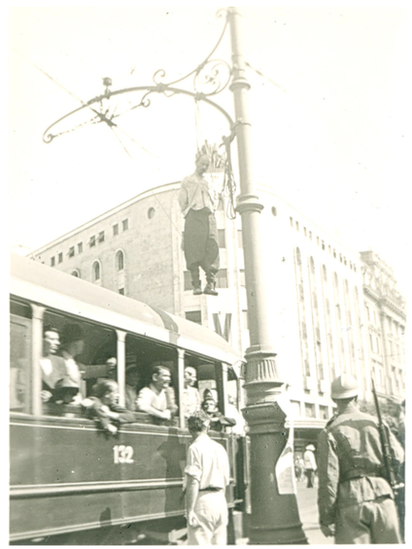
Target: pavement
<point x="308" y="511"/>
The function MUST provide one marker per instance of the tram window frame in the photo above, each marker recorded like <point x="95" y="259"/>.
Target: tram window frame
<point x="20" y="365"/>
<point x="92" y="360"/>
<point x="206" y="381"/>
<point x="146" y="352"/>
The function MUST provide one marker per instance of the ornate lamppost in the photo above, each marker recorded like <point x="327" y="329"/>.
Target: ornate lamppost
<point x="275" y="517"/>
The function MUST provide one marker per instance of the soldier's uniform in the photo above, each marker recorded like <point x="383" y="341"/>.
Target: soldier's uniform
<point x="353" y="493"/>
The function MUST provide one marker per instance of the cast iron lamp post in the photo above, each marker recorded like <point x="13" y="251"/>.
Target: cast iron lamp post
<point x="275" y="517"/>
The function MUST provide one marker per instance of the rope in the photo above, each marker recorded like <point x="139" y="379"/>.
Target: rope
<point x="260" y="73"/>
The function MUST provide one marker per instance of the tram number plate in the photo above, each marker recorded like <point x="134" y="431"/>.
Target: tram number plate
<point x="122" y="454"/>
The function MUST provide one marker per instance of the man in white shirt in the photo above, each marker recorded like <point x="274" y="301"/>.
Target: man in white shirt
<point x="191" y="396"/>
<point x="310" y="465"/>
<point x="206" y="477"/>
<point x="200" y="243"/>
<point x="52" y="366"/>
<point x="73" y="346"/>
<point x="157" y="399"/>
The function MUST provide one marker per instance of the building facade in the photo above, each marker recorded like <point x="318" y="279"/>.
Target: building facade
<point x="331" y="310"/>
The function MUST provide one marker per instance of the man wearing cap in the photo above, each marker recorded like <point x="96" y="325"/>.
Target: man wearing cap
<point x="200" y="242"/>
<point x="355" y="501"/>
<point x="217" y="419"/>
<point x="310" y="465"/>
<point x="206" y="478"/>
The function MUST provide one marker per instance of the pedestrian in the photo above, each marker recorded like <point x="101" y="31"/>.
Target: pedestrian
<point x="198" y="203"/>
<point x="355" y="501"/>
<point x="206" y="478"/>
<point x="298" y="469"/>
<point x="310" y="465"/>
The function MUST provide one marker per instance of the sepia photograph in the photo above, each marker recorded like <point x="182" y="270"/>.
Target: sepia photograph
<point x="208" y="258"/>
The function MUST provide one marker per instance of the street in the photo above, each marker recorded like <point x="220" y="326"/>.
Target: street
<point x="308" y="511"/>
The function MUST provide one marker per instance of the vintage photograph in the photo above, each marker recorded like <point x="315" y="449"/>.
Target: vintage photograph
<point x="208" y="254"/>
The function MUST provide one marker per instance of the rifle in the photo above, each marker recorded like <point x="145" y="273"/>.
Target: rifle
<point x="387" y="456"/>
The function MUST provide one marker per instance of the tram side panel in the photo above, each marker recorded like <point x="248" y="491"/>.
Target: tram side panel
<point x="69" y="476"/>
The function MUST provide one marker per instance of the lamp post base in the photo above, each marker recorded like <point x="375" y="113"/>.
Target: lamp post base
<point x="275" y="517"/>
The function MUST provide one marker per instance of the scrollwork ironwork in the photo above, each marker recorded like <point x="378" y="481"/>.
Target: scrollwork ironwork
<point x="210" y="78"/>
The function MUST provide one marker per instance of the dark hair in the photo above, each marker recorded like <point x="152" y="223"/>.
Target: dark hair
<point x="71" y="333"/>
<point x="198" y="421"/>
<point x="50" y="328"/>
<point x="104" y="386"/>
<point x="157" y="368"/>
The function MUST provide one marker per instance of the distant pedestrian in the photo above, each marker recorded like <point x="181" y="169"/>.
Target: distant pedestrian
<point x="206" y="477"/>
<point x="355" y="501"/>
<point x="299" y="469"/>
<point x="310" y="465"/>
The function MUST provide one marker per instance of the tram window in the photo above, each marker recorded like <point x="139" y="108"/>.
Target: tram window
<point x="143" y="354"/>
<point x="86" y="348"/>
<point x="20" y="356"/>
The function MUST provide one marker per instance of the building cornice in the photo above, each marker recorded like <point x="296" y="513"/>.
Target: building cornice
<point x="105" y="215"/>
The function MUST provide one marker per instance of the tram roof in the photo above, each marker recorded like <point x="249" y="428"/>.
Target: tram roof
<point x="55" y="289"/>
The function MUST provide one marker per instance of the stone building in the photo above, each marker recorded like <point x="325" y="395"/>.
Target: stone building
<point x="331" y="309"/>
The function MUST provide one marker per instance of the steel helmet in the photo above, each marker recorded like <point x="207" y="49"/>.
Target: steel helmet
<point x="344" y="386"/>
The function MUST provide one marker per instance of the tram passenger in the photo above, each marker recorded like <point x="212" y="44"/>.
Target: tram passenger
<point x="65" y="391"/>
<point x="217" y="419"/>
<point x="103" y="406"/>
<point x="52" y="366"/>
<point x="157" y="399"/>
<point x="72" y="346"/>
<point x="132" y="379"/>
<point x="191" y="396"/>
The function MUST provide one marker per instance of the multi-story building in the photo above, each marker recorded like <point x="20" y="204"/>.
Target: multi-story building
<point x="330" y="310"/>
<point x="385" y="323"/>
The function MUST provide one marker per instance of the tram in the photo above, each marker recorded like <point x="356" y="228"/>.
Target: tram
<point x="72" y="483"/>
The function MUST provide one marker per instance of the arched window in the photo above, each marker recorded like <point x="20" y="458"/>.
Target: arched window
<point x="76" y="273"/>
<point x="120" y="260"/>
<point x="312" y="265"/>
<point x="96" y="271"/>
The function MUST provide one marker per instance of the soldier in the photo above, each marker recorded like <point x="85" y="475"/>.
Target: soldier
<point x="356" y="502"/>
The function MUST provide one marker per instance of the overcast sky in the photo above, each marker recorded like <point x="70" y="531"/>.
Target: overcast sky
<point x="328" y="114"/>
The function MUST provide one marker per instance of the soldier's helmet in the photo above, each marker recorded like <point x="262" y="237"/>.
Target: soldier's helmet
<point x="344" y="386"/>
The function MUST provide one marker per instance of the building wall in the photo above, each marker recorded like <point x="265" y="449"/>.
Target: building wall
<point x="326" y="312"/>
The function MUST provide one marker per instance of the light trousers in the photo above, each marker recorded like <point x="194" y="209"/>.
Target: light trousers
<point x="212" y="514"/>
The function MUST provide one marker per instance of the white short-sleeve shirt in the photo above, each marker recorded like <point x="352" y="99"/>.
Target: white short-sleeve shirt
<point x="207" y="462"/>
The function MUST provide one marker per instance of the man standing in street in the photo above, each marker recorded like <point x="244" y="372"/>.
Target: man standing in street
<point x="207" y="475"/>
<point x="310" y="465"/>
<point x="200" y="241"/>
<point x="355" y="500"/>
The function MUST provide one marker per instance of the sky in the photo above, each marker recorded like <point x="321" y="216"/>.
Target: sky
<point x="328" y="102"/>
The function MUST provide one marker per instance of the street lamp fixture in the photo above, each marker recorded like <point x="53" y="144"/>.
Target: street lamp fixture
<point x="275" y="517"/>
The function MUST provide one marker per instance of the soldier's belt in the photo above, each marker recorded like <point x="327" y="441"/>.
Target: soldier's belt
<point x="356" y="473"/>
